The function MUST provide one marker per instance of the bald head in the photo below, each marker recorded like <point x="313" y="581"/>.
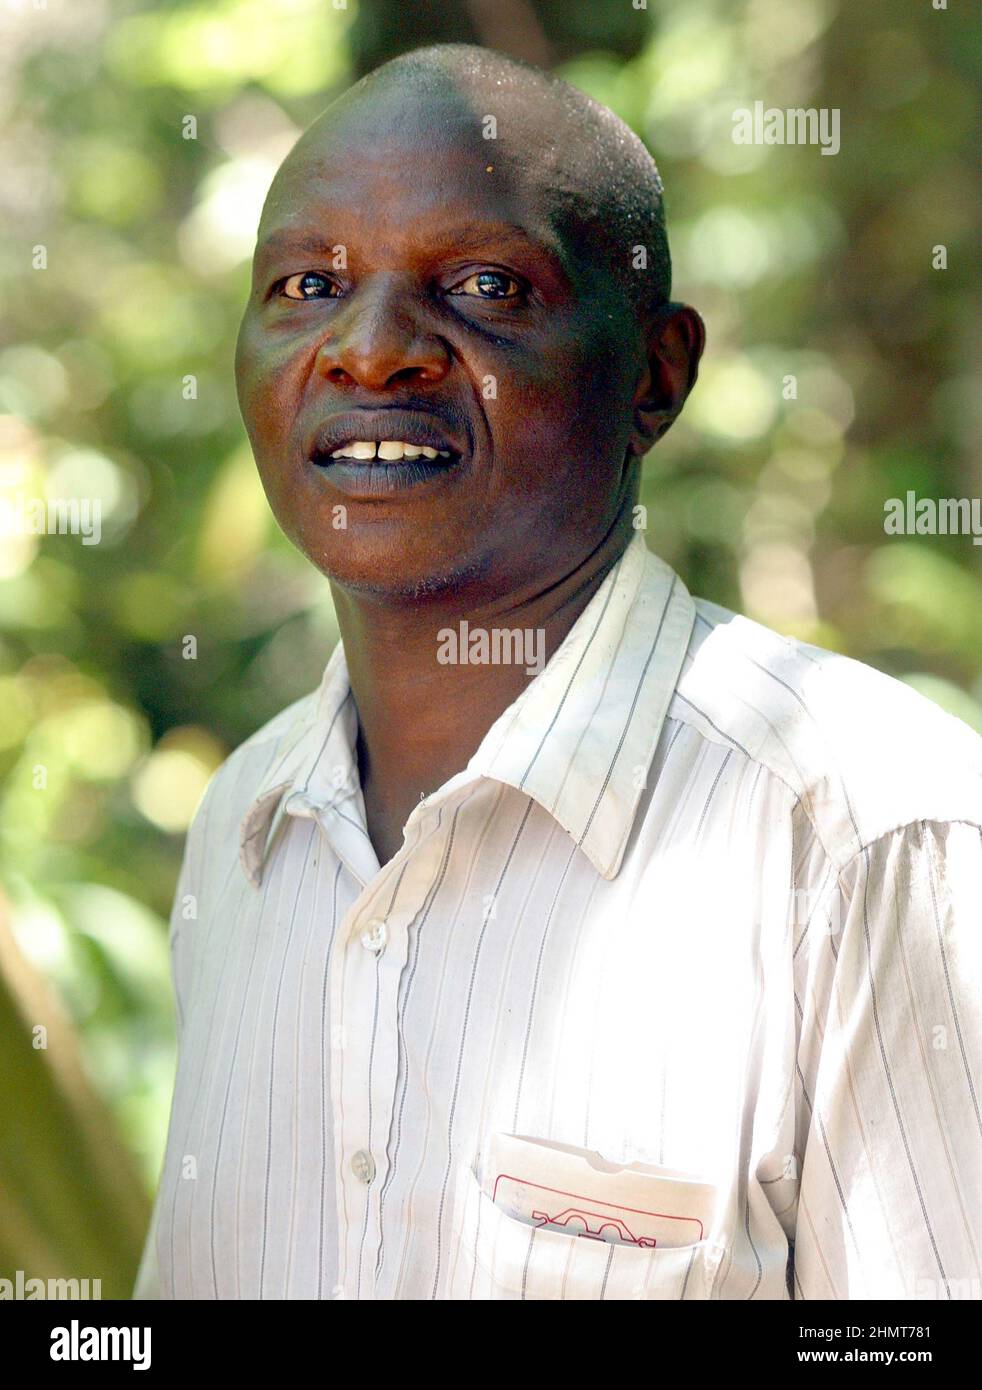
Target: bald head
<point x="593" y="180"/>
<point x="463" y="258"/>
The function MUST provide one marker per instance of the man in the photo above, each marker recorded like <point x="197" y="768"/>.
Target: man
<point x="576" y="939"/>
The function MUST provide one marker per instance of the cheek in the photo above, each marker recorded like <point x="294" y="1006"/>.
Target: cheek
<point x="268" y="377"/>
<point x="566" y="406"/>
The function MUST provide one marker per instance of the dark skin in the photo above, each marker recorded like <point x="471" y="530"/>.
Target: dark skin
<point x="537" y="508"/>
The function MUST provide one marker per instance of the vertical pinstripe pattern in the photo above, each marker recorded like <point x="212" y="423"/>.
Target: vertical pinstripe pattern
<point x="705" y="898"/>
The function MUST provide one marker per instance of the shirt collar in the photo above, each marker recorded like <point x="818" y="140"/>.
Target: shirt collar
<point x="581" y="736"/>
<point x="313" y="764"/>
<point x="579" y="739"/>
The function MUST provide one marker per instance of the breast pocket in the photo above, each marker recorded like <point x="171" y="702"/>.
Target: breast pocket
<point x="496" y="1256"/>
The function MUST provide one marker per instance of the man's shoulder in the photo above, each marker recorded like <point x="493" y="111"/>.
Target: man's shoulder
<point x="260" y="762"/>
<point x="864" y="753"/>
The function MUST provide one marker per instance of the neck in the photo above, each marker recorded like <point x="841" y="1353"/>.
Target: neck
<point x="425" y="704"/>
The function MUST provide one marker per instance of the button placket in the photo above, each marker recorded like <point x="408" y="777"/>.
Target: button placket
<point x="365" y="981"/>
<point x="372" y="950"/>
<point x="353" y="1004"/>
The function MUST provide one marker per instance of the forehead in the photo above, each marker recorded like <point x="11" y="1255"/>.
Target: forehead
<point x="423" y="160"/>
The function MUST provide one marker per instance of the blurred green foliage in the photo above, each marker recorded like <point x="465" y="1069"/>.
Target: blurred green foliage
<point x="124" y="272"/>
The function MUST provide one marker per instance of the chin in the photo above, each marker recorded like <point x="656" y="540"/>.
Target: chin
<point x="391" y="568"/>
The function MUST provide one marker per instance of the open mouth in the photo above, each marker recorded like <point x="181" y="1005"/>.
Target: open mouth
<point x="376" y="453"/>
<point x="383" y="451"/>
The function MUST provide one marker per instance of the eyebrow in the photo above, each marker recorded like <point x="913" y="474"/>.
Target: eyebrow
<point x="470" y="236"/>
<point x="285" y="240"/>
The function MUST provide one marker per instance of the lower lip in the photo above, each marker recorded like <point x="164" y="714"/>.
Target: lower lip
<point x="375" y="478"/>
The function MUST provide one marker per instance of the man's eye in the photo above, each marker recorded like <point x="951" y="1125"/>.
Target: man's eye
<point x="309" y="284"/>
<point x="489" y="284"/>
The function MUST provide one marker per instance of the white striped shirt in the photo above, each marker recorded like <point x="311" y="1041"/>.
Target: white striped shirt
<point x="705" y="899"/>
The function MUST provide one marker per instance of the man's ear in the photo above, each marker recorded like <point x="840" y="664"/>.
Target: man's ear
<point x="674" y="338"/>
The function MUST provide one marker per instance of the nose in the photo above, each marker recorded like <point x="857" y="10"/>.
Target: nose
<point x="376" y="340"/>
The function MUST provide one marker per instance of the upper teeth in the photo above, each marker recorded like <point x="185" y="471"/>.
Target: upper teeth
<point x="391" y="449"/>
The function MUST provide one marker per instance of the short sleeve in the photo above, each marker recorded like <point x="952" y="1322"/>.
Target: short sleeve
<point x="890" y="1075"/>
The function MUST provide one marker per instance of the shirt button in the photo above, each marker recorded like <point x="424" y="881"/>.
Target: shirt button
<point x="375" y="938"/>
<point x="363" y="1165"/>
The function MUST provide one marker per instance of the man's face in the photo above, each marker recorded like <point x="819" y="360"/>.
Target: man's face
<point x="410" y="286"/>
